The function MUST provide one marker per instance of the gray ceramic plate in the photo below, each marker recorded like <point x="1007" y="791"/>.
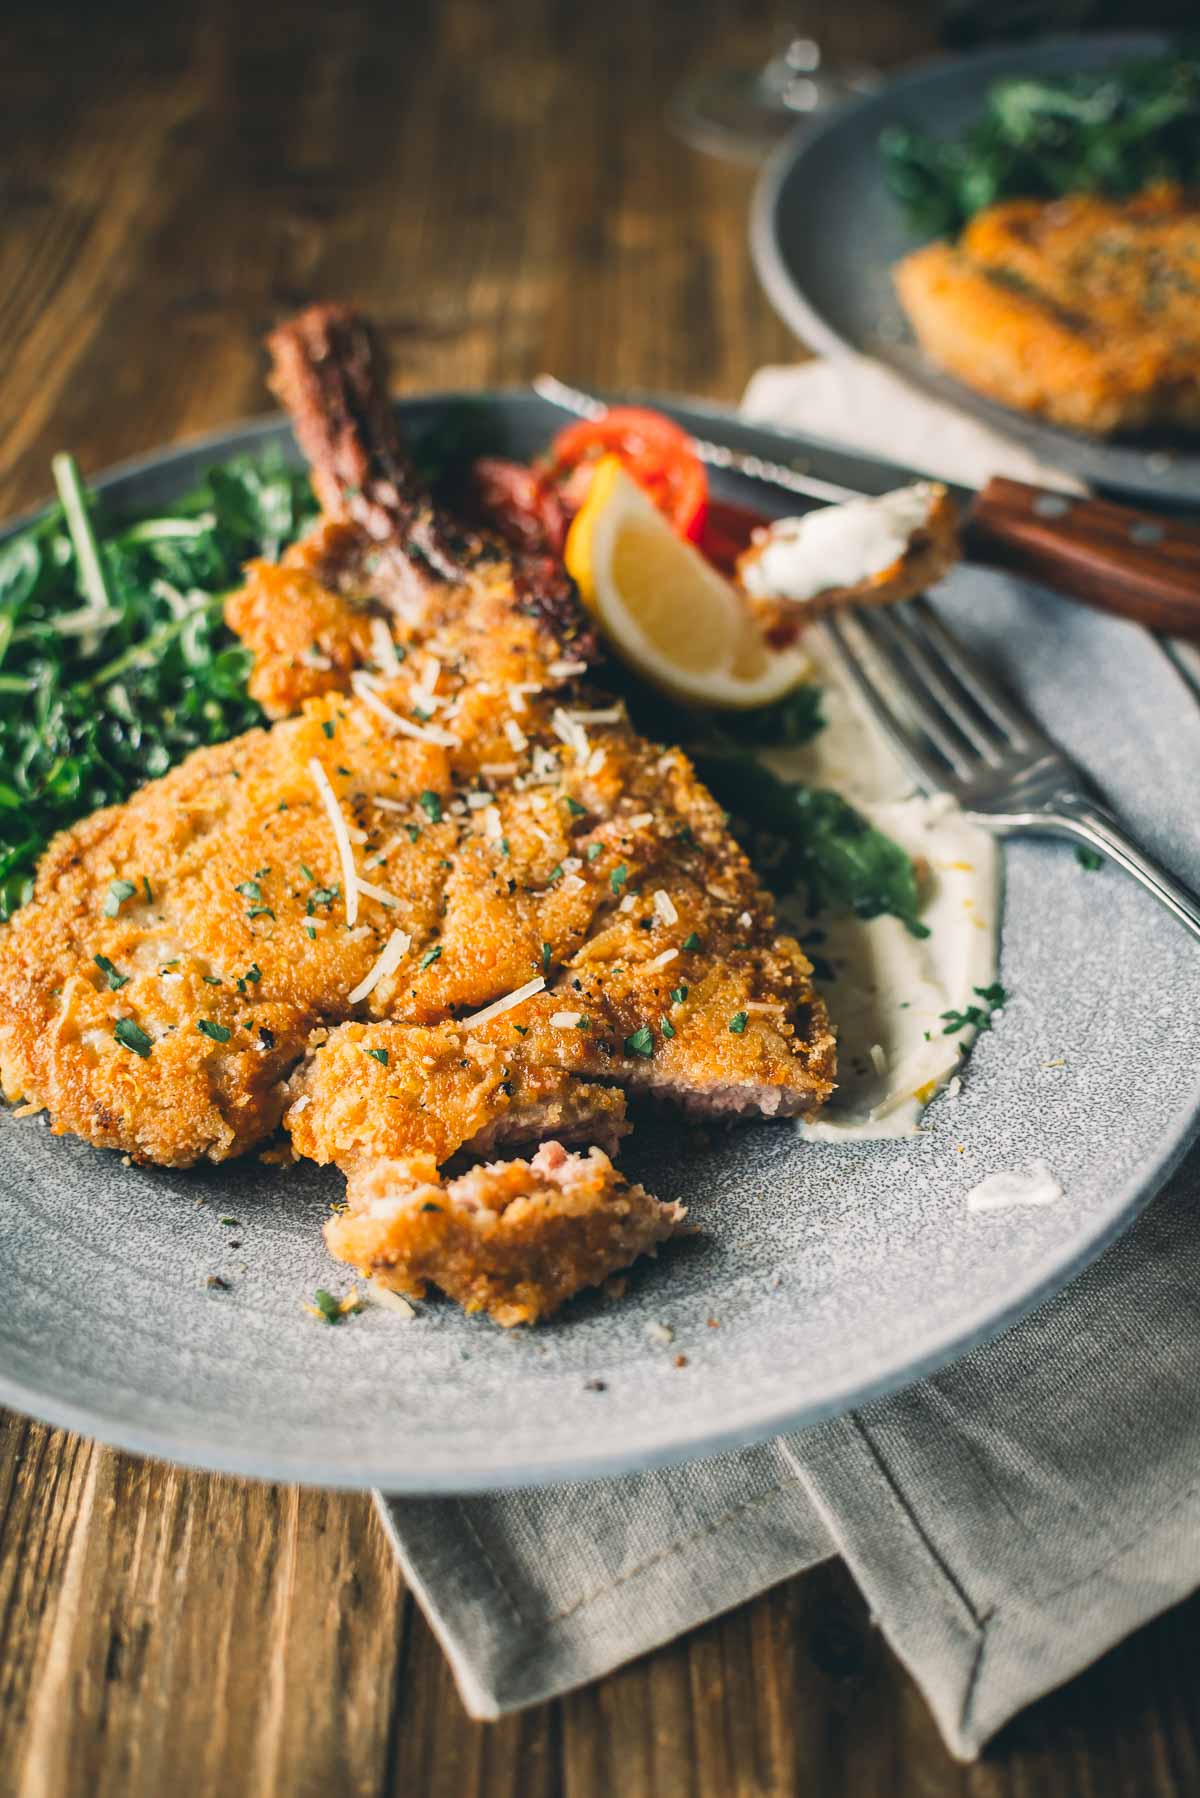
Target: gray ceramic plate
<point x="835" y="1272"/>
<point x="825" y="232"/>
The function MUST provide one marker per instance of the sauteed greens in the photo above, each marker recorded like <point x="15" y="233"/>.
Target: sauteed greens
<point x="1111" y="132"/>
<point x="114" y="659"/>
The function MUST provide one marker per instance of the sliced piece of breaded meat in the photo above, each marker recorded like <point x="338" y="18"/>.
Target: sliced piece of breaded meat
<point x="513" y="1238"/>
<point x="388" y="1092"/>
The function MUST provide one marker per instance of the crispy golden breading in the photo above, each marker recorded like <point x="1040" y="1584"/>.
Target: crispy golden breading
<point x="514" y="1239"/>
<point x="503" y="826"/>
<point x="1082" y="310"/>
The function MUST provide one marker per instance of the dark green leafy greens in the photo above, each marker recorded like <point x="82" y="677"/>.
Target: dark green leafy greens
<point x="115" y="662"/>
<point x="810" y="840"/>
<point x="1111" y="132"/>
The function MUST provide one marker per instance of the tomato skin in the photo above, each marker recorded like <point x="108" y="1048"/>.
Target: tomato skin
<point x="653" y="448"/>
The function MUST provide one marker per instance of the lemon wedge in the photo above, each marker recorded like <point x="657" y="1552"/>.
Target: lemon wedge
<point x="666" y="611"/>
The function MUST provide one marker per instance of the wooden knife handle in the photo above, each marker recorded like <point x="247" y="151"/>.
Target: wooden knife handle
<point x="1133" y="563"/>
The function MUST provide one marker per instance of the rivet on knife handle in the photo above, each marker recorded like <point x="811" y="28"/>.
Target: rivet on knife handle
<point x="1109" y="556"/>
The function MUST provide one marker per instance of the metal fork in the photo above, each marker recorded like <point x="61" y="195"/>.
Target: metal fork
<point x="958" y="734"/>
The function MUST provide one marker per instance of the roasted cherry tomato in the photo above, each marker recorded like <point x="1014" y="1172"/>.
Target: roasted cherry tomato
<point x="656" y="452"/>
<point x="727" y="532"/>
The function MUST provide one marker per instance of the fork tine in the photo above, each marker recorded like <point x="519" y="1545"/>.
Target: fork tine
<point x="930" y="771"/>
<point x="913" y="695"/>
<point x="979" y="728"/>
<point x="1020" y="729"/>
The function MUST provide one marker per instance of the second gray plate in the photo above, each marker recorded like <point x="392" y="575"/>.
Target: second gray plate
<point x="825" y="233"/>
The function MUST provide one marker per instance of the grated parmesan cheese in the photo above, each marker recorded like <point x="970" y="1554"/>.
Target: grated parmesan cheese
<point x="565" y="1020"/>
<point x="664" y="905"/>
<point x="596" y="761"/>
<point x="500" y="1006"/>
<point x="564" y="670"/>
<point x="394" y="951"/>
<point x="571" y="732"/>
<point x="421" y="733"/>
<point x="341" y="837"/>
<point x="383" y="647"/>
<point x="661" y="961"/>
<point x="515" y="735"/>
<point x="374" y="892"/>
<point x="608" y="715"/>
<point x="387" y="1300"/>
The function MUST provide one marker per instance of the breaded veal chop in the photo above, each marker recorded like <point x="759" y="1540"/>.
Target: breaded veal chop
<point x="1083" y="309"/>
<point x="450" y="901"/>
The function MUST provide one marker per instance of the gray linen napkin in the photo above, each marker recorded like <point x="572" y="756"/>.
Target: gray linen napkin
<point x="1008" y="1520"/>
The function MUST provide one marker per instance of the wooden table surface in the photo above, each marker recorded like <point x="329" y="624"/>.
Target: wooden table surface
<point x="496" y="183"/>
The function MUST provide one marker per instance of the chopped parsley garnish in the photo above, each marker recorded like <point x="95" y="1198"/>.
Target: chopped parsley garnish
<point x="250" y="889"/>
<point x="618" y="877"/>
<point x="130" y="1035"/>
<point x="554" y="874"/>
<point x="978" y="1016"/>
<point x="218" y="1032"/>
<point x="211" y="979"/>
<point x="414" y="831"/>
<point x="595" y="851"/>
<point x="146" y="890"/>
<point x="308" y="873"/>
<point x="692" y="941"/>
<point x="115" y="979"/>
<point x="641" y="1042"/>
<point x="573" y="806"/>
<point x="331" y="1309"/>
<point x="431" y="805"/>
<point x="666" y="1026"/>
<point x="327" y="726"/>
<point x="1088" y="858"/>
<point x="230" y="1223"/>
<point x="379" y="1055"/>
<point x="119" y="891"/>
<point x="430" y="956"/>
<point x="678" y="995"/>
<point x="322" y="896"/>
<point x="583" y="1023"/>
<point x="260" y="911"/>
<point x="546" y="952"/>
<point x="738" y="1022"/>
<point x="254" y="973"/>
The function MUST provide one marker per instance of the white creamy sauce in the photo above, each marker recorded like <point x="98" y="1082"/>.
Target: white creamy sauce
<point x="890" y="988"/>
<point x="835" y="546"/>
<point x="1034" y="1185"/>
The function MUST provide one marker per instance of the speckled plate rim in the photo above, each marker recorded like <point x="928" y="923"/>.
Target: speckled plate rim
<point x="987" y="1321"/>
<point x="822" y="335"/>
